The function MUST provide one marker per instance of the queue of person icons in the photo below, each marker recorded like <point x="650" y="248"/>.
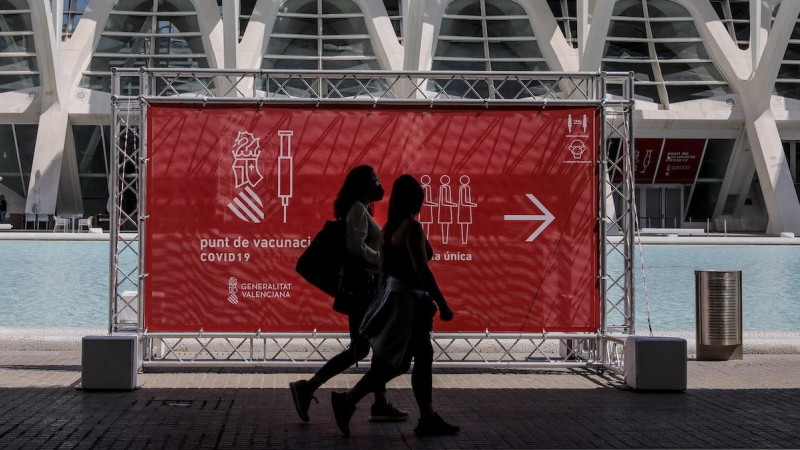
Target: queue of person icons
<point x="445" y="209"/>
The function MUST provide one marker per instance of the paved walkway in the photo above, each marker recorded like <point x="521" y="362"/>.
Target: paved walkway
<point x="754" y="403"/>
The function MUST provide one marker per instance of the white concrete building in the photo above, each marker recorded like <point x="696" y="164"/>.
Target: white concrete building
<point x="717" y="81"/>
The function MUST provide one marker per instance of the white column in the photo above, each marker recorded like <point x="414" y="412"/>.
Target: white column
<point x="592" y="32"/>
<point x="559" y="54"/>
<point x="775" y="179"/>
<point x="773" y="172"/>
<point x="755" y="32"/>
<point x="384" y="41"/>
<point x="58" y="20"/>
<point x="230" y="26"/>
<point x="70" y="200"/>
<point x="47" y="160"/>
<point x="49" y="149"/>
<point x="421" y="28"/>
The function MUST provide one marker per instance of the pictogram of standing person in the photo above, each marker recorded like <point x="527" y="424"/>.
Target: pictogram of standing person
<point x="465" y="205"/>
<point x="428" y="205"/>
<point x="446" y="206"/>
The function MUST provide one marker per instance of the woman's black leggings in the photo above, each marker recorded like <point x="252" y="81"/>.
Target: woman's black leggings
<point x="421" y="350"/>
<point x="356" y="351"/>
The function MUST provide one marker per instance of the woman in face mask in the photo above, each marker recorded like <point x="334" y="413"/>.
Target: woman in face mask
<point x="358" y="285"/>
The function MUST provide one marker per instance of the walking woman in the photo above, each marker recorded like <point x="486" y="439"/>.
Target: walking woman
<point x="358" y="285"/>
<point x="400" y="319"/>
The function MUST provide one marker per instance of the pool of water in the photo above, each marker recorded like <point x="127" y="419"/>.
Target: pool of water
<point x="65" y="284"/>
<point x="54" y="284"/>
<point x="770" y="284"/>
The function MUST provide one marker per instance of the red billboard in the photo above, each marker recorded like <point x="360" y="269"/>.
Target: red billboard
<point x="234" y="195"/>
<point x="680" y="161"/>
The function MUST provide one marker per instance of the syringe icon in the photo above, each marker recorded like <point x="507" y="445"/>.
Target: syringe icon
<point x="285" y="176"/>
<point x="647" y="157"/>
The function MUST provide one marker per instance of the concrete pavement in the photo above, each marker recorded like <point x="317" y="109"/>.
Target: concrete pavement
<point x="754" y="403"/>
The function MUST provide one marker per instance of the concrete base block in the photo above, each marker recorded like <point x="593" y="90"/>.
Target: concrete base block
<point x="126" y="308"/>
<point x="655" y="363"/>
<point x="109" y="362"/>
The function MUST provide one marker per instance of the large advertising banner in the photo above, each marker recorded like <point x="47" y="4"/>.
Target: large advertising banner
<point x="235" y="194"/>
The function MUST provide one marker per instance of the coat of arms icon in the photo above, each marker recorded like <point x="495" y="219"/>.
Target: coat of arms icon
<point x="246" y="205"/>
<point x="245" y="164"/>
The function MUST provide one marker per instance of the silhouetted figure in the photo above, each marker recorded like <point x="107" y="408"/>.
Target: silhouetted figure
<point x="400" y="318"/>
<point x="358" y="285"/>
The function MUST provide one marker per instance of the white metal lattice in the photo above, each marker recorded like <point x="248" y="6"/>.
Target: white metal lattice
<point x="134" y="90"/>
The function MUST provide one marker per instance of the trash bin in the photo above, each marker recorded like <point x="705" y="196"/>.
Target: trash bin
<point x="719" y="314"/>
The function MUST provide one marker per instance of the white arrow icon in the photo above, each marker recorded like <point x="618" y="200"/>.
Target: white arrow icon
<point x="546" y="218"/>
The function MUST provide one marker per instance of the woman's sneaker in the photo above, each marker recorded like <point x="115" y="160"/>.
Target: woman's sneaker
<point x="435" y="426"/>
<point x="342" y="411"/>
<point x="302" y="396"/>
<point x="386" y="412"/>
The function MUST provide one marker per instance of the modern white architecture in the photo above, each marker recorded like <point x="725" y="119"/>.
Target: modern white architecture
<point x="717" y="82"/>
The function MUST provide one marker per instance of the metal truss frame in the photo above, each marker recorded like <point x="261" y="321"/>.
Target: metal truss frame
<point x="144" y="87"/>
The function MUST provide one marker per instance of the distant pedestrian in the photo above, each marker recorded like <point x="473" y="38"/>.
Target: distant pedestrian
<point x="3" y="208"/>
<point x="358" y="285"/>
<point x="400" y="319"/>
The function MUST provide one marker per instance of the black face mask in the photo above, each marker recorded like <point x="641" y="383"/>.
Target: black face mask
<point x="376" y="193"/>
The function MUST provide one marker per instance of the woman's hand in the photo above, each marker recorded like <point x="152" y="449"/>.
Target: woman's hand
<point x="445" y="313"/>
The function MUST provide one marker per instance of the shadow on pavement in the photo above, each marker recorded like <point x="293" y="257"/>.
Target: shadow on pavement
<point x="490" y="418"/>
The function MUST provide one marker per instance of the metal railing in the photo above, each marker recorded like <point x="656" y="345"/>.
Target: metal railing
<point x="133" y="90"/>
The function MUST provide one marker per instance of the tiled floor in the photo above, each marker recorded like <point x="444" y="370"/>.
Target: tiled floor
<point x="754" y="403"/>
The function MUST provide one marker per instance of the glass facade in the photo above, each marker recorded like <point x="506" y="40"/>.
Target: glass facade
<point x="735" y="15"/>
<point x="92" y="152"/>
<point x="706" y="190"/>
<point x="487" y="35"/>
<point x="788" y="82"/>
<point x="658" y="40"/>
<point x="324" y="35"/>
<point x="566" y="14"/>
<point x="791" y="149"/>
<point x="73" y="11"/>
<point x="246" y="8"/>
<point x="16" y="156"/>
<point x="677" y="180"/>
<point x="18" y="66"/>
<point x="150" y="33"/>
<point x="395" y="10"/>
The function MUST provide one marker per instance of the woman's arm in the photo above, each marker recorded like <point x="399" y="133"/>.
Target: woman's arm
<point x="415" y="242"/>
<point x="356" y="234"/>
